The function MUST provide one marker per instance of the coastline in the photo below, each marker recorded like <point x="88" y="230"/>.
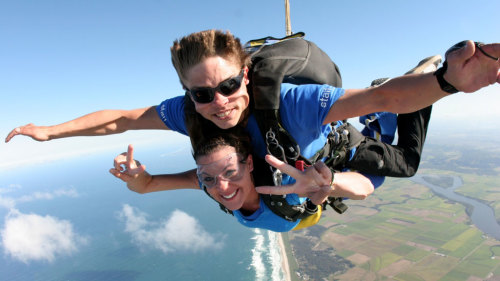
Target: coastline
<point x="284" y="258"/>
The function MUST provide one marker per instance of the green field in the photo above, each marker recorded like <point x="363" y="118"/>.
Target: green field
<point x="405" y="232"/>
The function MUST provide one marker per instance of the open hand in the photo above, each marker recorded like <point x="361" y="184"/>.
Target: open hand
<point x="30" y="130"/>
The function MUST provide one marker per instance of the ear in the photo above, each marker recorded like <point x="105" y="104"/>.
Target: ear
<point x="249" y="162"/>
<point x="245" y="76"/>
<point x="190" y="97"/>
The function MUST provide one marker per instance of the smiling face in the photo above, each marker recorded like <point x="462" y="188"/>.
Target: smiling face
<point x="228" y="178"/>
<point x="224" y="111"/>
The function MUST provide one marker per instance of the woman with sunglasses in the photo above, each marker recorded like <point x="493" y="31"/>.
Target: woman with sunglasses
<point x="225" y="171"/>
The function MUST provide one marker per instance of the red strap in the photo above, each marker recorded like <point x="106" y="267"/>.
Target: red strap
<point x="300" y="164"/>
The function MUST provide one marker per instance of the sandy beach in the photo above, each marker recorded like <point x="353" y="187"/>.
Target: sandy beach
<point x="284" y="258"/>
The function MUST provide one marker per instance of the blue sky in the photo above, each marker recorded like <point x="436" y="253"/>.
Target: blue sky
<point x="63" y="59"/>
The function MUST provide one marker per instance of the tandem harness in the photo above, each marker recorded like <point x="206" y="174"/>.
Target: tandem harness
<point x="293" y="59"/>
<point x="336" y="151"/>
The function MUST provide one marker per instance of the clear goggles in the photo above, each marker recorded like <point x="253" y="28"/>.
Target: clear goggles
<point x="229" y="168"/>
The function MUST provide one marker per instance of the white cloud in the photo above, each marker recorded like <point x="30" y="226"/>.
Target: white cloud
<point x="49" y="195"/>
<point x="7" y="202"/>
<point x="179" y="232"/>
<point x="10" y="188"/>
<point x="10" y="202"/>
<point x="28" y="237"/>
<point x="24" y="152"/>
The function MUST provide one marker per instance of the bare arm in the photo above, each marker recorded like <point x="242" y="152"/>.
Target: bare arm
<point x="104" y="122"/>
<point x="403" y="94"/>
<point x="147" y="183"/>
<point x="134" y="174"/>
<point x="468" y="70"/>
<point x="315" y="181"/>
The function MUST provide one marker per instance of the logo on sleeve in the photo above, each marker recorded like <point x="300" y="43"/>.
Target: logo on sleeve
<point x="325" y="96"/>
<point x="162" y="113"/>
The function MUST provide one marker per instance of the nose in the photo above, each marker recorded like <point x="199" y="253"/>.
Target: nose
<point x="220" y="99"/>
<point x="222" y="184"/>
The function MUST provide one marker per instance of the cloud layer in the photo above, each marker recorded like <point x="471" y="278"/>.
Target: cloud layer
<point x="180" y="232"/>
<point x="28" y="237"/>
<point x="11" y="202"/>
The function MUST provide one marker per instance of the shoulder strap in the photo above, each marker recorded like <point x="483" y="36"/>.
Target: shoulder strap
<point x="290" y="59"/>
<point x="279" y="206"/>
<point x="254" y="45"/>
<point x="341" y="140"/>
<point x="294" y="60"/>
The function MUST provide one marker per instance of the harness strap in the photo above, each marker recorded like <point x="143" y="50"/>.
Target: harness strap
<point x="281" y="207"/>
<point x="336" y="204"/>
<point x="340" y="142"/>
<point x="279" y="142"/>
<point x="253" y="46"/>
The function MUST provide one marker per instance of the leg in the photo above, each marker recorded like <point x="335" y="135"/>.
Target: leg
<point x="378" y="158"/>
<point x="382" y="159"/>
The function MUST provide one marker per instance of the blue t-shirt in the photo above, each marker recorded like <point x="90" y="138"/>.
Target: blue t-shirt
<point x="303" y="108"/>
<point x="265" y="218"/>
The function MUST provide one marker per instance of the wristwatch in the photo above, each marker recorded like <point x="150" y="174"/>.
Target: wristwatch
<point x="445" y="86"/>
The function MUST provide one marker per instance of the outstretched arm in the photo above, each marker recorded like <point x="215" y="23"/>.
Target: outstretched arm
<point x="104" y="122"/>
<point x="469" y="70"/>
<point x="134" y="174"/>
<point x="316" y="182"/>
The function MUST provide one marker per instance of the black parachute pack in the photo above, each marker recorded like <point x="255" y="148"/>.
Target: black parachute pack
<point x="294" y="60"/>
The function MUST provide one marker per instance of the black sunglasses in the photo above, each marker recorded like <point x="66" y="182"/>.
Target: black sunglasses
<point x="226" y="87"/>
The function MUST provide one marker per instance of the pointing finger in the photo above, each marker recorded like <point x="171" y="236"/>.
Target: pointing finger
<point x="130" y="155"/>
<point x="282" y="166"/>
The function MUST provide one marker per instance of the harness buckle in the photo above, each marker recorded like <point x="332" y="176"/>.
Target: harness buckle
<point x="336" y="204"/>
<point x="299" y="208"/>
<point x="276" y="150"/>
<point x="273" y="147"/>
<point x="277" y="176"/>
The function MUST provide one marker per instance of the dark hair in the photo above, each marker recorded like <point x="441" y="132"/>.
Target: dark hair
<point x="234" y="137"/>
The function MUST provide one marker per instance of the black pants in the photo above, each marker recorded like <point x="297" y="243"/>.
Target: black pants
<point x="401" y="160"/>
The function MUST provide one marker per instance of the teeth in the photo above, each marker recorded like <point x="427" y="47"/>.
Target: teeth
<point x="230" y="195"/>
<point x="223" y="114"/>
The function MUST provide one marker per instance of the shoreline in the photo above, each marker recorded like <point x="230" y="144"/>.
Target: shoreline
<point x="284" y="258"/>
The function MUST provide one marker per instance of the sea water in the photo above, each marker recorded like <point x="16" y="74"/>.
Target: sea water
<point x="72" y="220"/>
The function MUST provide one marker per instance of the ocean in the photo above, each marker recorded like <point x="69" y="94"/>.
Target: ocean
<point x="71" y="220"/>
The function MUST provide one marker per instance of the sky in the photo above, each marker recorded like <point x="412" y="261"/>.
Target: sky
<point x="66" y="58"/>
